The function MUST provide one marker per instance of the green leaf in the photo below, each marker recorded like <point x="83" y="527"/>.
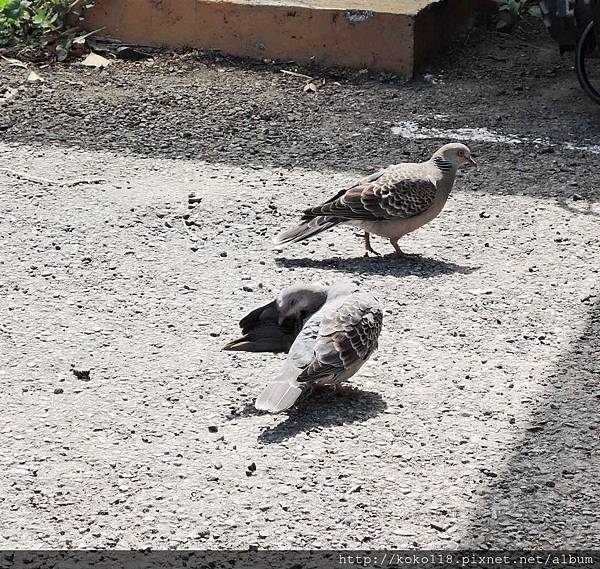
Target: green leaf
<point x="39" y="22"/>
<point x="14" y="10"/>
<point x="39" y="18"/>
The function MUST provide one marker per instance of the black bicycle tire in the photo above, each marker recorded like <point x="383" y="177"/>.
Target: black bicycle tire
<point x="580" y="53"/>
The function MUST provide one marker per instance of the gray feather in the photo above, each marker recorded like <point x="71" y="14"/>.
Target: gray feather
<point x="274" y="326"/>
<point x="305" y="230"/>
<point x="332" y="346"/>
<point x="279" y="395"/>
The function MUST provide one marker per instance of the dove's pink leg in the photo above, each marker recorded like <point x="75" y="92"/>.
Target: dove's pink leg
<point x="399" y="251"/>
<point x="368" y="247"/>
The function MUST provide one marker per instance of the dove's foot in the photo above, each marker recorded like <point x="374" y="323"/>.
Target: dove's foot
<point x="344" y="389"/>
<point x="372" y="251"/>
<point x="368" y="248"/>
<point x="337" y="388"/>
<point x="403" y="255"/>
<point x="400" y="253"/>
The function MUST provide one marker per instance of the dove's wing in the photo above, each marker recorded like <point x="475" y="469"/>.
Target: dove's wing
<point x="332" y="345"/>
<point x="284" y="390"/>
<point x="348" y="335"/>
<point x="261" y="331"/>
<point x="401" y="191"/>
<point x="356" y="184"/>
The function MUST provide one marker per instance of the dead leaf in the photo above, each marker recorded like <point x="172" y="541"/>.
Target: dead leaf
<point x="95" y="60"/>
<point x="310" y="88"/>
<point x="14" y="62"/>
<point x="294" y="74"/>
<point x="33" y="76"/>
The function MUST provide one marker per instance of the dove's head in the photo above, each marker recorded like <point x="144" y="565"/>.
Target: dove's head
<point x="300" y="301"/>
<point x="457" y="154"/>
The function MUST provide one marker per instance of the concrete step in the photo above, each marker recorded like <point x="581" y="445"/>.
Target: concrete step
<point x="382" y="35"/>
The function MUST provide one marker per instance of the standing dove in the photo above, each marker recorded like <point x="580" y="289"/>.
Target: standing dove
<point x="334" y="329"/>
<point x="389" y="203"/>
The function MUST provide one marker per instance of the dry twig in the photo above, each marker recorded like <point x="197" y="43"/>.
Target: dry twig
<point x="294" y="74"/>
<point x="39" y="180"/>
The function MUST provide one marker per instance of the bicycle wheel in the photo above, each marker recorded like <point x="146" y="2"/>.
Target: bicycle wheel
<point x="588" y="67"/>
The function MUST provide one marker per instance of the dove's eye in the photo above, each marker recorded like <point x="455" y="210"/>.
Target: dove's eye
<point x="461" y="153"/>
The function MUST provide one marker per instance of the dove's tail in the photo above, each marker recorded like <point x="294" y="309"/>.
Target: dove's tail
<point x="306" y="229"/>
<point x="280" y="394"/>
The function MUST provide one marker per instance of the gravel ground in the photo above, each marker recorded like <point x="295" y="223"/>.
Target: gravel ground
<point x="476" y="423"/>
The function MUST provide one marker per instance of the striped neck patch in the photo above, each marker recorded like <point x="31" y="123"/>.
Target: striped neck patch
<point x="443" y="164"/>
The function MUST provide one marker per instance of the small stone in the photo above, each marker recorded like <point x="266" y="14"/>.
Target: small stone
<point x="547" y="150"/>
<point x="213" y="429"/>
<point x="223" y="253"/>
<point x="480" y="291"/>
<point x="58" y="390"/>
<point x="441" y="527"/>
<point x="81" y="373"/>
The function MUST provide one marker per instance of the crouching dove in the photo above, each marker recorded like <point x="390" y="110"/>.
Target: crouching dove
<point x="389" y="203"/>
<point x="334" y="329"/>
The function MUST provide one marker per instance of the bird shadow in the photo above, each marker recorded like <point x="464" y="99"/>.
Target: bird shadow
<point x="416" y="265"/>
<point x="587" y="207"/>
<point x="322" y="409"/>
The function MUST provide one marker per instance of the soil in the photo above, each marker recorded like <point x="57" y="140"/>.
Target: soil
<point x="126" y="426"/>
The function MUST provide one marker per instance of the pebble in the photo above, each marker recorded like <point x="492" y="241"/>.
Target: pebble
<point x="81" y="373"/>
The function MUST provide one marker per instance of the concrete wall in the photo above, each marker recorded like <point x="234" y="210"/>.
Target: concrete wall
<point x="382" y="36"/>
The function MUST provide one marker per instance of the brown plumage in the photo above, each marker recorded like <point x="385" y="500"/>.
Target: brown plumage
<point x="389" y="203"/>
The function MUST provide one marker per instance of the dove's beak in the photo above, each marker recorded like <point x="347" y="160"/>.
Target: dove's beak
<point x="472" y="162"/>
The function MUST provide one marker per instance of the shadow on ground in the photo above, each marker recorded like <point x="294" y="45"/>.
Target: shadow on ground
<point x="322" y="409"/>
<point x="554" y="469"/>
<point x="253" y="115"/>
<point x="416" y="265"/>
<point x="586" y="207"/>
